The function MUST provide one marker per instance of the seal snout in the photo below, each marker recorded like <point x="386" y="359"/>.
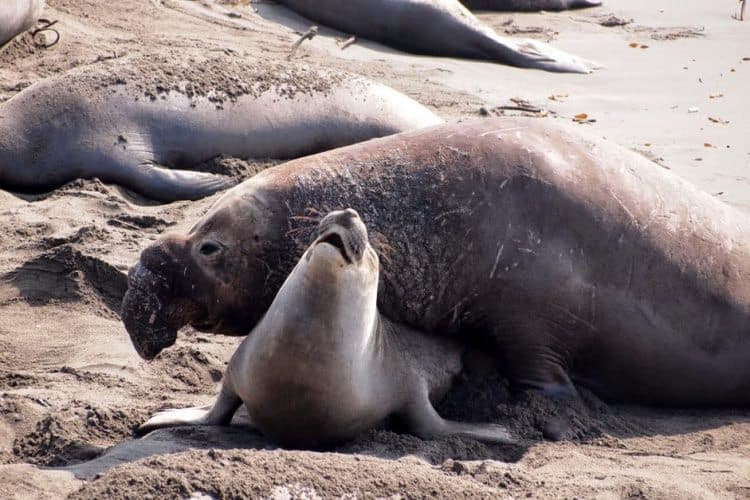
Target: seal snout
<point x="344" y="230"/>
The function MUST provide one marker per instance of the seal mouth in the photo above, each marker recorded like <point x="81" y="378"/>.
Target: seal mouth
<point x="334" y="239"/>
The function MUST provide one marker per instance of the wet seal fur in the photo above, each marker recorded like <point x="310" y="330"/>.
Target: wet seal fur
<point x="127" y="121"/>
<point x="529" y="5"/>
<point x="17" y="16"/>
<point x="574" y="259"/>
<point x="435" y="27"/>
<point x="323" y="365"/>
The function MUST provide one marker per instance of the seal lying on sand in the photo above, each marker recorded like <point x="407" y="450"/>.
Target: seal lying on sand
<point x="124" y="122"/>
<point x="529" y="5"/>
<point x="323" y="365"/>
<point x="437" y="27"/>
<point x="17" y="16"/>
<point x="576" y="258"/>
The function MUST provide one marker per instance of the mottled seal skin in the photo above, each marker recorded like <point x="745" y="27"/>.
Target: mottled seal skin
<point x="529" y="5"/>
<point x="141" y="123"/>
<point x="323" y="365"/>
<point x="17" y="16"/>
<point x="577" y="259"/>
<point x="436" y="27"/>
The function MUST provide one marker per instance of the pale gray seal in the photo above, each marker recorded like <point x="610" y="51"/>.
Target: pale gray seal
<point x="323" y="365"/>
<point x="17" y="16"/>
<point x="577" y="259"/>
<point x="127" y="121"/>
<point x="437" y="27"/>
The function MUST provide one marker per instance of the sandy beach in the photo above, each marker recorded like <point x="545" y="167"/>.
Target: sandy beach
<point x="673" y="86"/>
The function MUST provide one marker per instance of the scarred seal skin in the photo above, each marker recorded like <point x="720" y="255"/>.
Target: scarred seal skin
<point x="17" y="16"/>
<point x="144" y="122"/>
<point x="323" y="365"/>
<point x="436" y="27"/>
<point x="579" y="260"/>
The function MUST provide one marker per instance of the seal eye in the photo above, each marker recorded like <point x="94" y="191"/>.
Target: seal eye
<point x="209" y="248"/>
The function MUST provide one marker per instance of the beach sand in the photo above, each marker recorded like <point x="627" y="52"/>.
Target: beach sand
<point x="674" y="86"/>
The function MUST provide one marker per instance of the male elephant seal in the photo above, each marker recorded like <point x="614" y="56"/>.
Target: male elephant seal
<point x="529" y="5"/>
<point x="323" y="365"/>
<point x="577" y="258"/>
<point x="17" y="16"/>
<point x="437" y="27"/>
<point x="124" y="122"/>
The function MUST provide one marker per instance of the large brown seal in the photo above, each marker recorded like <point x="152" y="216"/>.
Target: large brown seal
<point x="437" y="27"/>
<point x="576" y="258"/>
<point x="529" y="5"/>
<point x="17" y="16"/>
<point x="323" y="365"/>
<point x="144" y="122"/>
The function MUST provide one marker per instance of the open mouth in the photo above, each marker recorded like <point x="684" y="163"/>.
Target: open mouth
<point x="335" y="240"/>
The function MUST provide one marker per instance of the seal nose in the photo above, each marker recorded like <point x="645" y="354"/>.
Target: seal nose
<point x="345" y="230"/>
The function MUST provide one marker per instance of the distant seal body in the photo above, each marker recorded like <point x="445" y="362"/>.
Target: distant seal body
<point x="323" y="365"/>
<point x="17" y="16"/>
<point x="529" y="5"/>
<point x="127" y="122"/>
<point x="436" y="27"/>
<point x="577" y="259"/>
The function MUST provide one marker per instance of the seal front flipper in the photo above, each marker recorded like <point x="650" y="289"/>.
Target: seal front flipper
<point x="165" y="184"/>
<point x="424" y="421"/>
<point x="219" y="414"/>
<point x="533" y="344"/>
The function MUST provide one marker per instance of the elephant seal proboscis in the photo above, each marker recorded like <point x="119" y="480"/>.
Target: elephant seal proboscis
<point x="436" y="27"/>
<point x="124" y="121"/>
<point x="529" y="5"/>
<point x="17" y="16"/>
<point x="323" y="365"/>
<point x="576" y="258"/>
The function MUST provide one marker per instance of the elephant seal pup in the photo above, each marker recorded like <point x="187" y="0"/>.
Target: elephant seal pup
<point x="127" y="121"/>
<point x="323" y="366"/>
<point x="577" y="259"/>
<point x="435" y="27"/>
<point x="529" y="5"/>
<point x="17" y="16"/>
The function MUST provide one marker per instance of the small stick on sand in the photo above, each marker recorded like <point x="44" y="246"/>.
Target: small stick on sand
<point x="45" y="25"/>
<point x="345" y="43"/>
<point x="307" y="35"/>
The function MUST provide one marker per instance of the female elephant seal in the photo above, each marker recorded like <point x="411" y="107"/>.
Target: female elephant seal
<point x="323" y="365"/>
<point x="125" y="121"/>
<point x="17" y="16"/>
<point x="529" y="5"/>
<point x="436" y="27"/>
<point x="578" y="258"/>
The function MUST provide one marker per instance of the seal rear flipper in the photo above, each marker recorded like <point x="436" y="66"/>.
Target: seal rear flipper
<point x="219" y="414"/>
<point x="424" y="421"/>
<point x="165" y="184"/>
<point x="528" y="53"/>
